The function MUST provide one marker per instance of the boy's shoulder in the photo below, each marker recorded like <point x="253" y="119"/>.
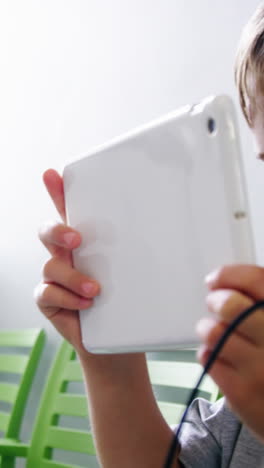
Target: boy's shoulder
<point x="213" y="436"/>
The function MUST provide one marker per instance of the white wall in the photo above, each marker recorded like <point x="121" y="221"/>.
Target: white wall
<point x="74" y="73"/>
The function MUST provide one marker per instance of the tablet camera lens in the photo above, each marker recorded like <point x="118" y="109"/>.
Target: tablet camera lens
<point x="211" y="125"/>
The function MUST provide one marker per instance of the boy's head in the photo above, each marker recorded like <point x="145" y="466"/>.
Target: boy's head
<point x="249" y="74"/>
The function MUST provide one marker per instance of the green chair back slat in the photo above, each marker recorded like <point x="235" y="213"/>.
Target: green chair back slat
<point x="73" y="371"/>
<point x="172" y="412"/>
<point x="181" y="375"/>
<point x="71" y="405"/>
<point x="18" y="338"/>
<point x="13" y="364"/>
<point x="9" y="446"/>
<point x="4" y="420"/>
<point x="8" y="392"/>
<point x="55" y="464"/>
<point x="74" y="440"/>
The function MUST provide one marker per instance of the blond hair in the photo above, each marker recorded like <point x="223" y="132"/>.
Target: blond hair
<point x="249" y="64"/>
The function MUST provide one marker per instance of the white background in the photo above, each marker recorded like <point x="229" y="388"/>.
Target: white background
<point x="75" y="73"/>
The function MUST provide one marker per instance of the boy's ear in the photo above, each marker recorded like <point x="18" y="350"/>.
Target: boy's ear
<point x="249" y="110"/>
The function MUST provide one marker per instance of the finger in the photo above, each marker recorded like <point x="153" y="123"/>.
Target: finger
<point x="225" y="376"/>
<point x="227" y="305"/>
<point x="59" y="239"/>
<point x="51" y="298"/>
<point x="248" y="279"/>
<point x="54" y="185"/>
<point x="56" y="271"/>
<point x="236" y="352"/>
<point x="239" y="389"/>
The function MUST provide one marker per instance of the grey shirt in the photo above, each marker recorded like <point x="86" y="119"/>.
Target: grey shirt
<point x="213" y="437"/>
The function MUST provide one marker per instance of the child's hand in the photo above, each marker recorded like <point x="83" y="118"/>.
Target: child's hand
<point x="239" y="370"/>
<point x="63" y="289"/>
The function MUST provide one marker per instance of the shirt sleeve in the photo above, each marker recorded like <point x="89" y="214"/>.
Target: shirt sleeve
<point x="201" y="438"/>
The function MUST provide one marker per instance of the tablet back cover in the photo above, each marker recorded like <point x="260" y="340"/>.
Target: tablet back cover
<point x="158" y="209"/>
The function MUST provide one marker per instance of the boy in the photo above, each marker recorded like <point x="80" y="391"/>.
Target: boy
<point x="129" y="430"/>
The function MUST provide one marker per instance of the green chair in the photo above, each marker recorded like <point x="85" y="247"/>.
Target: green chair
<point x="58" y="420"/>
<point x="173" y="375"/>
<point x="58" y="441"/>
<point x="20" y="351"/>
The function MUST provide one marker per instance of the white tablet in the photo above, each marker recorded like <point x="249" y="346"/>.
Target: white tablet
<point x="158" y="209"/>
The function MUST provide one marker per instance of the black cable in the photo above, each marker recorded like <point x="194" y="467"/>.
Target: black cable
<point x="234" y="324"/>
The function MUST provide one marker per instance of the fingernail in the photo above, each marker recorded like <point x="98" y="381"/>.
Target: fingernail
<point x="210" y="278"/>
<point x="89" y="288"/>
<point x="203" y="327"/>
<point x="69" y="238"/>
